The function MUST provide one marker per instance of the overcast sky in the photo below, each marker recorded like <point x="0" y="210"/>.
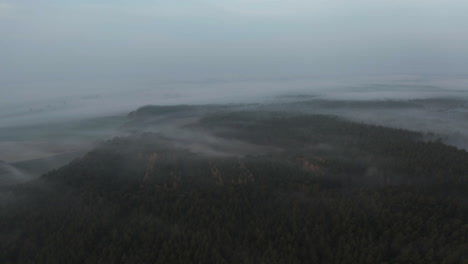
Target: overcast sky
<point x="81" y="41"/>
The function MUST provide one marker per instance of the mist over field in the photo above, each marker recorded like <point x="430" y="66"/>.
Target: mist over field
<point x="53" y="106"/>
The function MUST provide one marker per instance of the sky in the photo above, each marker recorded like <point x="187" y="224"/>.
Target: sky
<point x="63" y="47"/>
<point x="188" y="39"/>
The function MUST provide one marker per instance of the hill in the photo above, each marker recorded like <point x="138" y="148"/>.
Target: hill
<point x="242" y="184"/>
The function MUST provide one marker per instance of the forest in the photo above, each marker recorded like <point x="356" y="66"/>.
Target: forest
<point x="245" y="184"/>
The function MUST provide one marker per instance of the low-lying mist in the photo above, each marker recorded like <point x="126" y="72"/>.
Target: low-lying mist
<point x="58" y="126"/>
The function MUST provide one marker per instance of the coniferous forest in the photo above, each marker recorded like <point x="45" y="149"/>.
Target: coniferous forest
<point x="245" y="184"/>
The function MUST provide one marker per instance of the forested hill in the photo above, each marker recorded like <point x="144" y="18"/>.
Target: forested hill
<point x="217" y="184"/>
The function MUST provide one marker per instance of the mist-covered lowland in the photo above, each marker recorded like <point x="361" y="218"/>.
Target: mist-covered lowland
<point x="243" y="131"/>
<point x="45" y="134"/>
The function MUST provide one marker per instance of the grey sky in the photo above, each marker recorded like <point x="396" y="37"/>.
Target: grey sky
<point x="44" y="41"/>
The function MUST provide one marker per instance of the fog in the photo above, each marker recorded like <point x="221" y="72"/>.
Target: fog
<point x="59" y="58"/>
<point x="71" y="71"/>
